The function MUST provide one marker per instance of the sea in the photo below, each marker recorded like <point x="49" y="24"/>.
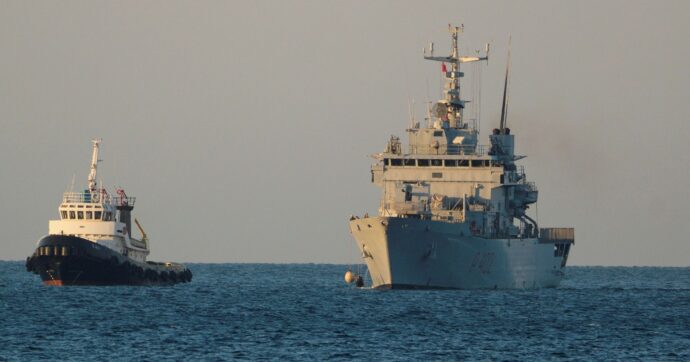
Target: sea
<point x="301" y="312"/>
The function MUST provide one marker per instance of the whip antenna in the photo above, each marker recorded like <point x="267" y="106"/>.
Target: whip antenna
<point x="504" y="108"/>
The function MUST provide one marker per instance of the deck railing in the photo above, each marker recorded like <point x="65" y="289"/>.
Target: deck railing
<point x="557" y="233"/>
<point x="102" y="198"/>
<point x="475" y="150"/>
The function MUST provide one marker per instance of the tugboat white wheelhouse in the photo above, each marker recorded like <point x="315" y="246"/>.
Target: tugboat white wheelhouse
<point x="453" y="212"/>
<point x="92" y="244"/>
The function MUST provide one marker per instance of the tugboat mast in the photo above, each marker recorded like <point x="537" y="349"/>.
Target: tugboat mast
<point x="94" y="166"/>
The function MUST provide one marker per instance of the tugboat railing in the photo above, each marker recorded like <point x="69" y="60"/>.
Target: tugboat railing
<point x="85" y="197"/>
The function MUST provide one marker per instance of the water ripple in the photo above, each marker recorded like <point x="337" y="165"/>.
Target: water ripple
<point x="305" y="312"/>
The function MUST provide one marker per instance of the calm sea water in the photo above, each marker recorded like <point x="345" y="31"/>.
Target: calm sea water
<point x="298" y="312"/>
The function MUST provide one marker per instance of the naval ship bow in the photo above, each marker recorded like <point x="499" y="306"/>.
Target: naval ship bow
<point x="453" y="212"/>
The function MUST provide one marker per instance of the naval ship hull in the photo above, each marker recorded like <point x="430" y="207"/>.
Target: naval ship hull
<point x="409" y="253"/>
<point x="71" y="260"/>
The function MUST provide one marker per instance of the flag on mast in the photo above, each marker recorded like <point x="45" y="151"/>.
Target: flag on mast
<point x="443" y="67"/>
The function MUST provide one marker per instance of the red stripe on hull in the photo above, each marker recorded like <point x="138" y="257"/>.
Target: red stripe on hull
<point x="53" y="282"/>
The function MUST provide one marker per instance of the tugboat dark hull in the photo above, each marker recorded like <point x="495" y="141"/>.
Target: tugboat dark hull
<point x="70" y="260"/>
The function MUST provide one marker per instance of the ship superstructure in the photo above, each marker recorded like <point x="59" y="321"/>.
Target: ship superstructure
<point x="92" y="243"/>
<point x="453" y="212"/>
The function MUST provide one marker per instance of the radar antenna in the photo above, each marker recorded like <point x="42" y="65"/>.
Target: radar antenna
<point x="453" y="104"/>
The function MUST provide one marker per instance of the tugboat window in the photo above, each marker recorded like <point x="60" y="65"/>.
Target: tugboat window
<point x="477" y="163"/>
<point x="463" y="163"/>
<point x="72" y="215"/>
<point x="438" y="133"/>
<point x="98" y="215"/>
<point x="450" y="163"/>
<point x="80" y="215"/>
<point x="436" y="162"/>
<point x="396" y="162"/>
<point x="408" y="162"/>
<point x="422" y="163"/>
<point x="89" y="215"/>
<point x="63" y="214"/>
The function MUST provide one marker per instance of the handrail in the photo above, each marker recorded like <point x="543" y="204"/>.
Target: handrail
<point x="557" y="233"/>
<point x="103" y="198"/>
<point x="476" y="150"/>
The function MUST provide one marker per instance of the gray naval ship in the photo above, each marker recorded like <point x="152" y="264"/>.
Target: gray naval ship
<point x="453" y="212"/>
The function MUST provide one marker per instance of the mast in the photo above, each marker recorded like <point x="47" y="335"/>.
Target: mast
<point x="94" y="166"/>
<point x="451" y="111"/>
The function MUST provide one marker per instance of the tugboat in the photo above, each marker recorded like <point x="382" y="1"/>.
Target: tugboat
<point x="453" y="212"/>
<point x="92" y="244"/>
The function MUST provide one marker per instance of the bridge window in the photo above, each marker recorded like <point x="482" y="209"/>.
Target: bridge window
<point x="438" y="133"/>
<point x="89" y="215"/>
<point x="423" y="163"/>
<point x="387" y="161"/>
<point x="477" y="163"/>
<point x="396" y="162"/>
<point x="108" y="216"/>
<point x="97" y="215"/>
<point x="436" y="162"/>
<point x="450" y="163"/>
<point x="72" y="214"/>
<point x="63" y="214"/>
<point x="463" y="163"/>
<point x="80" y="215"/>
<point x="408" y="162"/>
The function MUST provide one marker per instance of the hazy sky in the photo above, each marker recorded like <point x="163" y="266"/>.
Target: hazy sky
<point x="243" y="128"/>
